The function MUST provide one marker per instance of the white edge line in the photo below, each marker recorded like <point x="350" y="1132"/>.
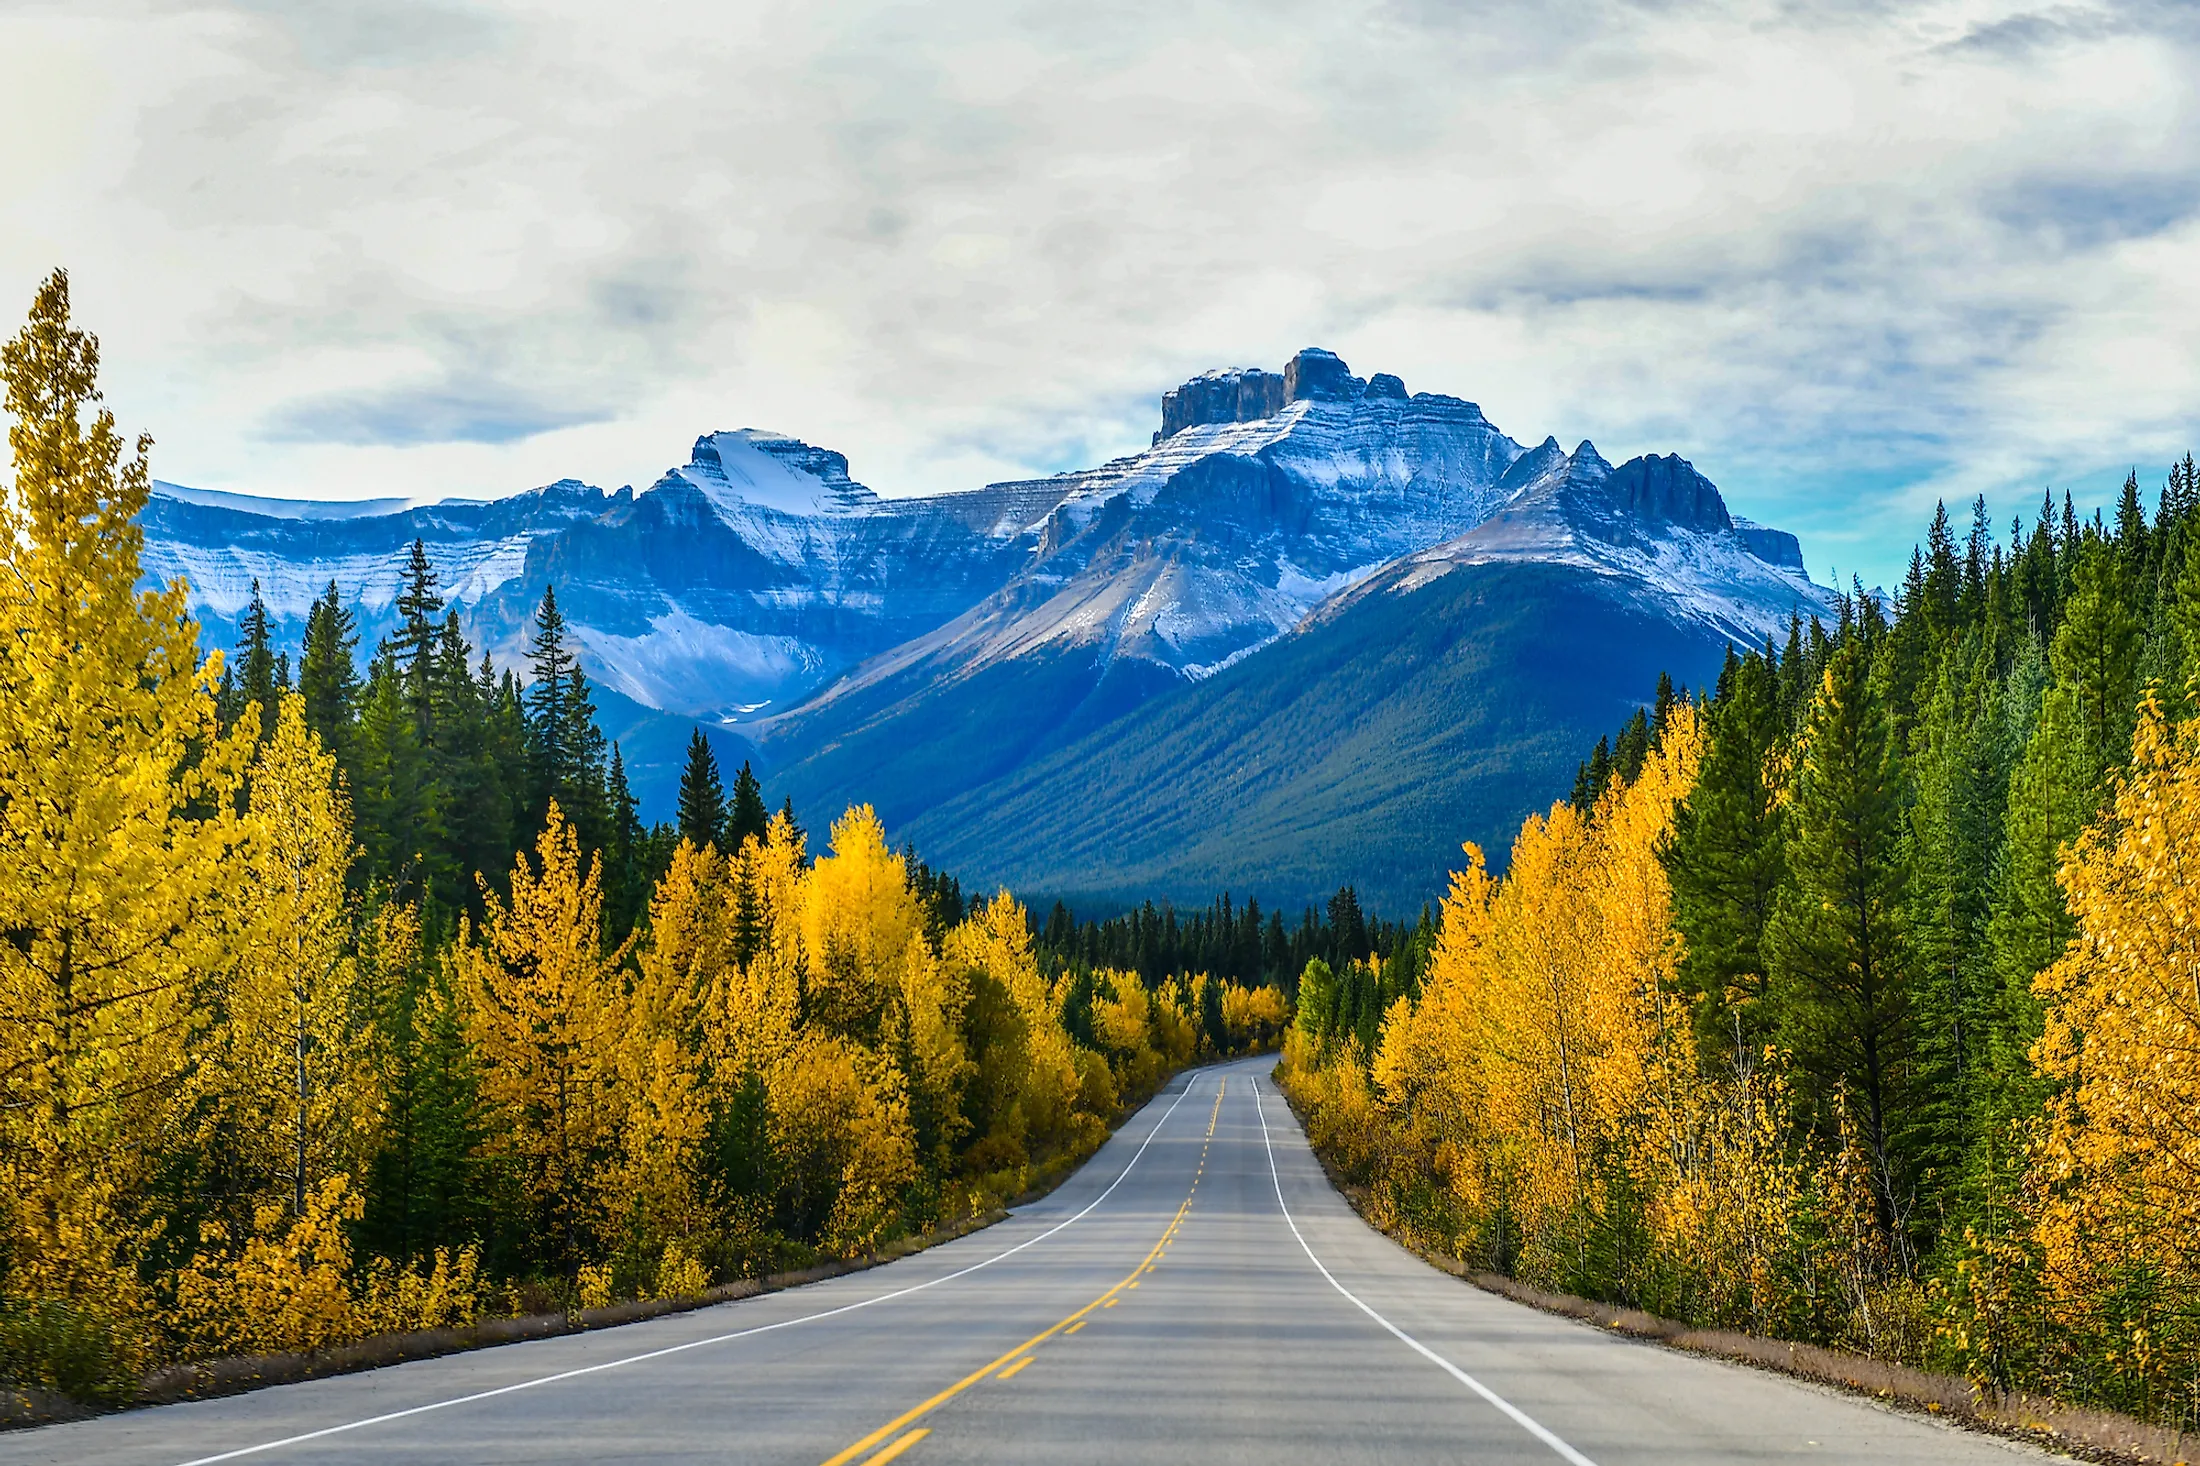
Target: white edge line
<point x="551" y="1379"/>
<point x="1511" y="1411"/>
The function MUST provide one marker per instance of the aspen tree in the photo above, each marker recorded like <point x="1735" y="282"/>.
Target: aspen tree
<point x="857" y="918"/>
<point x="543" y="1014"/>
<point x="294" y="1025"/>
<point x="2121" y="1159"/>
<point x="755" y="1004"/>
<point x="1027" y="1072"/>
<point x="663" y="1061"/>
<point x="118" y="811"/>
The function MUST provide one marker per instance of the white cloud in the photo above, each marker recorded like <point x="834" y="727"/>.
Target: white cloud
<point x="1846" y="258"/>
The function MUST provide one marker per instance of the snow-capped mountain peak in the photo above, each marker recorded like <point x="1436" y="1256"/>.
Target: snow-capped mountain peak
<point x="1652" y="522"/>
<point x="755" y="469"/>
<point x="759" y="582"/>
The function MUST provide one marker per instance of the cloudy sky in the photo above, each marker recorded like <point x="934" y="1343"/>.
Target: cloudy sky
<point x="1847" y="257"/>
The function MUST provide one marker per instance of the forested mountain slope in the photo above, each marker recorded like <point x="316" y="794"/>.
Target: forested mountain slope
<point x="1442" y="699"/>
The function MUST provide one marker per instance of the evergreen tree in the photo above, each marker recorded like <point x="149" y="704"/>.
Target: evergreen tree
<point x="628" y="870"/>
<point x="1839" y="954"/>
<point x="1797" y="676"/>
<point x="1960" y="769"/>
<point x="1726" y="861"/>
<point x="1347" y="927"/>
<point x="470" y="776"/>
<point x="1631" y="748"/>
<point x="702" y="808"/>
<point x="2053" y="793"/>
<point x="747" y="819"/>
<point x="550" y="662"/>
<point x="1212" y="1027"/>
<point x="327" y="678"/>
<point x="255" y="686"/>
<point x="1668" y="700"/>
<point x="2096" y="651"/>
<point x="1592" y="777"/>
<point x="418" y="608"/>
<point x="395" y="802"/>
<point x="426" y="1186"/>
<point x="2133" y="559"/>
<point x="567" y="753"/>
<point x="2183" y="601"/>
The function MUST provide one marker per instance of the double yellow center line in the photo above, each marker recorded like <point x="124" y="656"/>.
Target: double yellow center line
<point x="1011" y="1359"/>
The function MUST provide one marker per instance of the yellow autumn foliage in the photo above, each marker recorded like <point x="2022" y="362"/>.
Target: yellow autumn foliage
<point x="1545" y="1078"/>
<point x="2117" y="1166"/>
<point x="544" y="1006"/>
<point x="788" y="1056"/>
<point x="290" y="1286"/>
<point x="297" y="1041"/>
<point x="1254" y="1017"/>
<point x="118" y="822"/>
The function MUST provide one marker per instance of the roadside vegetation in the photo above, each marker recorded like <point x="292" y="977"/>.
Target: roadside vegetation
<point x="1856" y="1002"/>
<point x="335" y="1005"/>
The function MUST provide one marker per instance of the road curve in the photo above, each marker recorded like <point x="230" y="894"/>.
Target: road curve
<point x="1196" y="1293"/>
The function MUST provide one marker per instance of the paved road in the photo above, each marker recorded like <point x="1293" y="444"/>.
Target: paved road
<point x="1162" y="1306"/>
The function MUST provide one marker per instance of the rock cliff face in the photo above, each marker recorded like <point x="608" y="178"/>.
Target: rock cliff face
<point x="761" y="588"/>
<point x="1243" y="394"/>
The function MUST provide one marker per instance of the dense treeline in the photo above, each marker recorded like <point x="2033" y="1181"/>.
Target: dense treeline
<point x="333" y="1003"/>
<point x="1234" y="941"/>
<point x="1853" y="1002"/>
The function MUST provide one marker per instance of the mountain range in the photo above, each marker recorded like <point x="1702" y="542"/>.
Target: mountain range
<point x="1321" y="629"/>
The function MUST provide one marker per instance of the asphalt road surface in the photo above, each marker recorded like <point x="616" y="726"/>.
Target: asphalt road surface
<point x="1197" y="1293"/>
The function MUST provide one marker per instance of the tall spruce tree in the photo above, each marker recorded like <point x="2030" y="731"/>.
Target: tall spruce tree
<point x="1726" y="861"/>
<point x="328" y="679"/>
<point x="255" y="685"/>
<point x="567" y="755"/>
<point x="1839" y="954"/>
<point x="2096" y="650"/>
<point x="627" y="866"/>
<point x="702" y="808"/>
<point x="746" y="818"/>
<point x="419" y="609"/>
<point x="1959" y="765"/>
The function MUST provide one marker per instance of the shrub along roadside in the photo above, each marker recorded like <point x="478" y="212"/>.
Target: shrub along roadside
<point x="2100" y="1435"/>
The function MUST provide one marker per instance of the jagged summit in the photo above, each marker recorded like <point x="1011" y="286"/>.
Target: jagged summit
<point x="1653" y="523"/>
<point x="1250" y="394"/>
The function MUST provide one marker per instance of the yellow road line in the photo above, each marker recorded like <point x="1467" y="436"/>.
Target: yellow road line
<point x="897" y="1448"/>
<point x="1073" y="1328"/>
<point x="915" y="1412"/>
<point x="1017" y="1368"/>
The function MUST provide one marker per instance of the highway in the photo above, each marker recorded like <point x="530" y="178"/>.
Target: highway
<point x="1196" y="1293"/>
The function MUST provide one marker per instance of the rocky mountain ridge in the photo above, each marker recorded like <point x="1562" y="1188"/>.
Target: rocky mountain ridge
<point x="760" y="588"/>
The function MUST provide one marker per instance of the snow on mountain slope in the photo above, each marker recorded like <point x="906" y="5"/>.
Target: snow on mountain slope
<point x="1653" y="524"/>
<point x="1248" y="676"/>
<point x="1443" y="697"/>
<point x="281" y="508"/>
<point x="1263" y="494"/>
<point x="221" y="542"/>
<point x="760" y="586"/>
